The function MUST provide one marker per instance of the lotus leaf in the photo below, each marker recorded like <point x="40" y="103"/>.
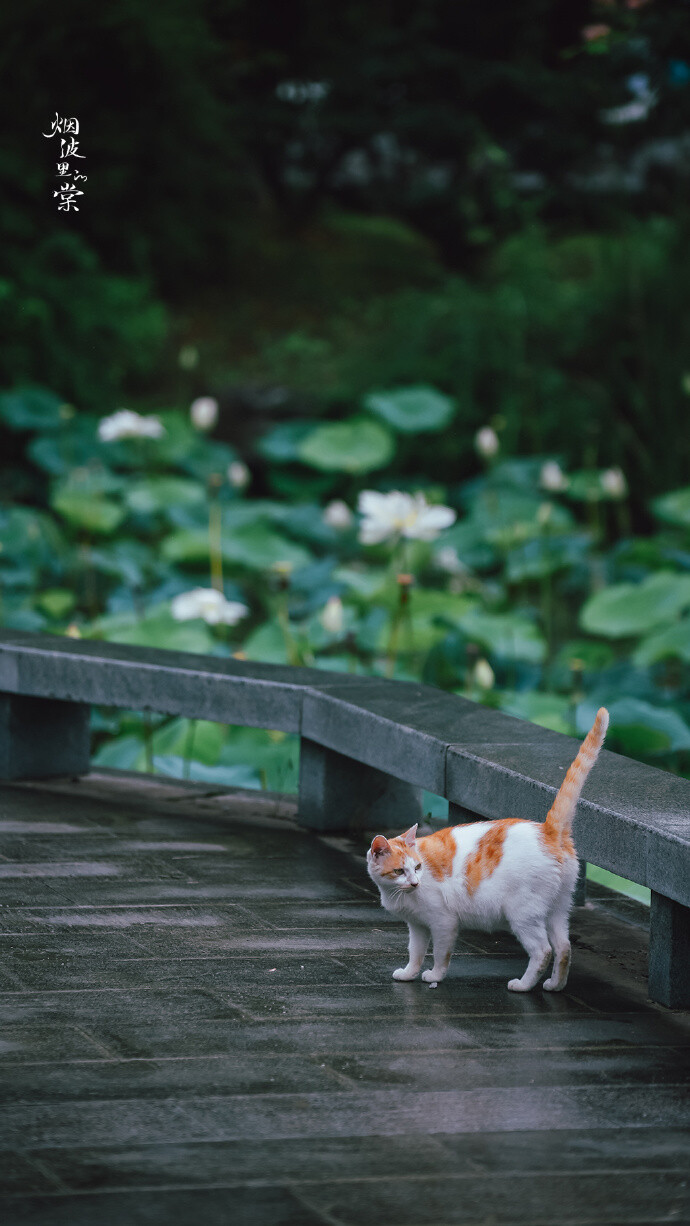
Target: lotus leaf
<point x="545" y="555"/>
<point x="670" y="643"/>
<point x="124" y="753"/>
<point x="510" y="636"/>
<point x="57" y="602"/>
<point x="674" y="508"/>
<point x="363" y="583"/>
<point x="586" y="486"/>
<point x="358" y="445"/>
<point x="175" y="767"/>
<point x="31" y="537"/>
<point x="83" y="510"/>
<point x="507" y="517"/>
<point x="154" y="495"/>
<point x="281" y="445"/>
<point x="206" y="739"/>
<point x="627" y="609"/>
<point x="275" y="755"/>
<point x="547" y="710"/>
<point x="31" y="408"/>
<point x="266" y="644"/>
<point x="130" y="561"/>
<point x="156" y="627"/>
<point x="255" y="547"/>
<point x="639" y="728"/>
<point x="412" y="410"/>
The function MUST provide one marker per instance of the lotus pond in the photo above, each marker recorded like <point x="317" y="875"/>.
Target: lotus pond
<point x="522" y="588"/>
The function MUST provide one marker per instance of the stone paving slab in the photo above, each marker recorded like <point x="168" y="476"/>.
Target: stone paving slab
<point x="197" y="1024"/>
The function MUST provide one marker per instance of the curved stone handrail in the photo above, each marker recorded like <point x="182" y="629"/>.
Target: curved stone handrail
<point x="367" y="745"/>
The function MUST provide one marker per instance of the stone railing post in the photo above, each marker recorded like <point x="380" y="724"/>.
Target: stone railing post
<point x="338" y="793"/>
<point x="669" y="952"/>
<point x="40" y="737"/>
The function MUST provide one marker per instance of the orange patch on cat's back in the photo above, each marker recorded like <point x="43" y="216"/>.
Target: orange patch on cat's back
<point x="438" y="851"/>
<point x="487" y="854"/>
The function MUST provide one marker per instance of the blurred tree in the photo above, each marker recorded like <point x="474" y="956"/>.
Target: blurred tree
<point x="465" y="119"/>
<point x="215" y="130"/>
<point x="461" y="118"/>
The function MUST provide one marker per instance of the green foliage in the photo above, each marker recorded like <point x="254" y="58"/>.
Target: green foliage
<point x="674" y="508"/>
<point x="156" y="627"/>
<point x="671" y="643"/>
<point x="508" y="636"/>
<point x="357" y="446"/>
<point x="31" y="408"/>
<point x="627" y="609"/>
<point x="641" y="729"/>
<point x="523" y="603"/>
<point x="79" y="328"/>
<point x="412" y="409"/>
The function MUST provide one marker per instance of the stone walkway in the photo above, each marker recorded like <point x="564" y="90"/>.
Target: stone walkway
<point x="199" y="1026"/>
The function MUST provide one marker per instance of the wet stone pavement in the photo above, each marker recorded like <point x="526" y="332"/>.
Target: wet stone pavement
<point x="198" y="1025"/>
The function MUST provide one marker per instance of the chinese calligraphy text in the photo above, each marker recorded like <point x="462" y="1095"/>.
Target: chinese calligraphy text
<point x="67" y="129"/>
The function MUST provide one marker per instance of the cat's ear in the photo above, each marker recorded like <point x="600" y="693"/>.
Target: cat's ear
<point x="380" y="845"/>
<point x="410" y="836"/>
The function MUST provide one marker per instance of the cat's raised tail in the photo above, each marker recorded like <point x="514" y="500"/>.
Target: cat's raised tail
<point x="559" y="818"/>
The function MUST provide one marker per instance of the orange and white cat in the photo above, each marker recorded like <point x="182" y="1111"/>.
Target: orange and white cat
<point x="509" y="873"/>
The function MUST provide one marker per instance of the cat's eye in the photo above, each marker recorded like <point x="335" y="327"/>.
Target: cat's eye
<point x="417" y="868"/>
<point x="399" y="871"/>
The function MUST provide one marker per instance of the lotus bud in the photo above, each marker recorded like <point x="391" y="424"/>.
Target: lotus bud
<point x="332" y="615"/>
<point x="204" y="412"/>
<point x="486" y="442"/>
<point x="338" y="514"/>
<point x="552" y="477"/>
<point x="483" y="675"/>
<point x="239" y="475"/>
<point x="613" y="483"/>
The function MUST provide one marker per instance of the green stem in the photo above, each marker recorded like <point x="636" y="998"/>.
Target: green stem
<point x="215" y="544"/>
<point x="188" y="748"/>
<point x="283" y="618"/>
<point x="148" y="743"/>
<point x="392" y="648"/>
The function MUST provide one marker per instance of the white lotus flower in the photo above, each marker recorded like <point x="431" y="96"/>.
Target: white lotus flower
<point x="128" y="424"/>
<point x="239" y="475"/>
<point x="204" y="412"/>
<point x="207" y="603"/>
<point x="396" y="514"/>
<point x="332" y="615"/>
<point x="552" y="477"/>
<point x="486" y="442"/>
<point x="613" y="482"/>
<point x="337" y="514"/>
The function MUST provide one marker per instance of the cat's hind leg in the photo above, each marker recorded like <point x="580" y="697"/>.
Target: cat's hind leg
<point x="532" y="936"/>
<point x="444" y="943"/>
<point x="557" y="931"/>
<point x="558" y="936"/>
<point x="419" y="943"/>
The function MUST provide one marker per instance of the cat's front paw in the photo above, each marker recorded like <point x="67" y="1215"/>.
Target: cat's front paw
<point x="516" y="985"/>
<point x="403" y="973"/>
<point x="432" y="976"/>
<point x="552" y="985"/>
